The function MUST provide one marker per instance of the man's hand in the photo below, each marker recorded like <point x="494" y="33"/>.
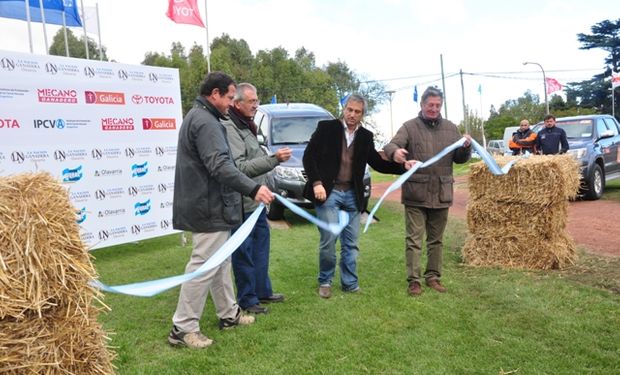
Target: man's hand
<point x="410" y="164"/>
<point x="467" y="142"/>
<point x="319" y="193"/>
<point x="263" y="195"/>
<point x="283" y="154"/>
<point x="400" y="155"/>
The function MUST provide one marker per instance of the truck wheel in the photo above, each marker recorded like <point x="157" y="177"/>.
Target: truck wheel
<point x="596" y="184"/>
<point x="275" y="211"/>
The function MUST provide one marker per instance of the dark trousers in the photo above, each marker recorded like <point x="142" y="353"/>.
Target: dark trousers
<point x="251" y="265"/>
<point x="420" y="221"/>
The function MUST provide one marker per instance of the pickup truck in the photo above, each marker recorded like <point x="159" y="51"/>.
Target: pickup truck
<point x="594" y="141"/>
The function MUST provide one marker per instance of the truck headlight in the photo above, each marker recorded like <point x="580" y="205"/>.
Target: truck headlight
<point x="287" y="173"/>
<point x="577" y="153"/>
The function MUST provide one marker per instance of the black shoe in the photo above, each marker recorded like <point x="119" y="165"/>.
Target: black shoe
<point x="272" y="298"/>
<point x="257" y="309"/>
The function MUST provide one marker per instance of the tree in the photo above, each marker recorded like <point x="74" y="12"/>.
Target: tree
<point x="475" y="125"/>
<point x="76" y="46"/>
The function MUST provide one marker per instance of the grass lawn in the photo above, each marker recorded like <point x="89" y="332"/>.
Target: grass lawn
<point x="491" y="321"/>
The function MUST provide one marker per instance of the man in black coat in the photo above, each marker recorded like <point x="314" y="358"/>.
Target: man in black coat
<point x="335" y="161"/>
<point x="551" y="140"/>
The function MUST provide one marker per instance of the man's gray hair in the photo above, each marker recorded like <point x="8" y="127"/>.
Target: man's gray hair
<point x="241" y="89"/>
<point x="357" y="98"/>
<point x="431" y="91"/>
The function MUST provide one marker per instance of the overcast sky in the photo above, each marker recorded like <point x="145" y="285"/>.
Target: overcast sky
<point x="396" y="41"/>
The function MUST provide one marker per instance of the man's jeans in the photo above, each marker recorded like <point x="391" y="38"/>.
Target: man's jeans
<point x="328" y="212"/>
<point x="251" y="264"/>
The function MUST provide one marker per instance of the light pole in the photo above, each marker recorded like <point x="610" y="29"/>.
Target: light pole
<point x="544" y="83"/>
<point x="391" y="93"/>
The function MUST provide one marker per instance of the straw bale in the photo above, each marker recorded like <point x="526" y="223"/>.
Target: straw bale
<point x="539" y="179"/>
<point x="42" y="258"/>
<point x="66" y="340"/>
<point x="509" y="251"/>
<point x="497" y="219"/>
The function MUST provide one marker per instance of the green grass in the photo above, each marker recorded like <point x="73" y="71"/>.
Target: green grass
<point x="612" y="190"/>
<point x="490" y="321"/>
<point x="459" y="170"/>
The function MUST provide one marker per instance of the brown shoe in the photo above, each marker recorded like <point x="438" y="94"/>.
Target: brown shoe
<point x="435" y="284"/>
<point x="415" y="289"/>
<point x="325" y="291"/>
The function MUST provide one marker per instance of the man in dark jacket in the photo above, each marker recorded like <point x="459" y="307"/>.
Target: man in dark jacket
<point x="335" y="161"/>
<point x="208" y="204"/>
<point x="427" y="194"/>
<point x="551" y="139"/>
<point x="250" y="261"/>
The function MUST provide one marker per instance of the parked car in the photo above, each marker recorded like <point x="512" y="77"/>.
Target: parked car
<point x="496" y="147"/>
<point x="292" y="125"/>
<point x="594" y="141"/>
<point x="508" y="132"/>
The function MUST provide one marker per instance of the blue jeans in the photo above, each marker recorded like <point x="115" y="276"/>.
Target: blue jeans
<point x="251" y="264"/>
<point x="328" y="212"/>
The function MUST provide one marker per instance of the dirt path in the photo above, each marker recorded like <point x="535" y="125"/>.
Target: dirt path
<point x="592" y="224"/>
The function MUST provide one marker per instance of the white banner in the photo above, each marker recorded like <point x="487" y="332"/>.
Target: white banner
<point x="107" y="131"/>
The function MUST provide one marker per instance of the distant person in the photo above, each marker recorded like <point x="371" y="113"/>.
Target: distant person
<point x="208" y="204"/>
<point x="524" y="139"/>
<point x="427" y="194"/>
<point x="250" y="261"/>
<point x="335" y="160"/>
<point x="551" y="139"/>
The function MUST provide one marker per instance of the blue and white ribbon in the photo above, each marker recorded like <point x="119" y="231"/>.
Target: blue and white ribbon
<point x="153" y="287"/>
<point x="486" y="157"/>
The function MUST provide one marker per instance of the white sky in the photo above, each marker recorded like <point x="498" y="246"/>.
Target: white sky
<point x="382" y="40"/>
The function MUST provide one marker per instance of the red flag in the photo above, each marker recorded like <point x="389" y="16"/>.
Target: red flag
<point x="184" y="11"/>
<point x="615" y="80"/>
<point x="553" y="85"/>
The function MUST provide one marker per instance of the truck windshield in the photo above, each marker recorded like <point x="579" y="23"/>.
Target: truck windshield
<point x="576" y="129"/>
<point x="293" y="130"/>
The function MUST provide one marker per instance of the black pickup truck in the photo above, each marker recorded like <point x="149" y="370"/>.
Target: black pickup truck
<point x="594" y="141"/>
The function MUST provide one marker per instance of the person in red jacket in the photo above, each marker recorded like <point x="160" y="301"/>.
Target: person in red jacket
<point x="524" y="139"/>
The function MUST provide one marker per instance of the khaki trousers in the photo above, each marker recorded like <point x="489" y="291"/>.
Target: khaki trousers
<point x="420" y="220"/>
<point x="217" y="281"/>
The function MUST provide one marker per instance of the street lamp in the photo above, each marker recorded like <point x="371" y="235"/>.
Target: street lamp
<point x="544" y="82"/>
<point x="391" y="93"/>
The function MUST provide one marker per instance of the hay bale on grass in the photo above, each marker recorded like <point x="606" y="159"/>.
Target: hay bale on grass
<point x="519" y="220"/>
<point x="47" y="317"/>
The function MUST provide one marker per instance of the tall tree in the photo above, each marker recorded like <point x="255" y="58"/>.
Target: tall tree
<point x="76" y="46"/>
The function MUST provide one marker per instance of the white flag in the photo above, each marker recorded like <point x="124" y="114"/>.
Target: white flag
<point x="90" y="20"/>
<point x="615" y="80"/>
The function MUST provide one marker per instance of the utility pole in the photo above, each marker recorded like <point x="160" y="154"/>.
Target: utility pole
<point x="544" y="83"/>
<point x="443" y="84"/>
<point x="391" y="93"/>
<point x="465" y="120"/>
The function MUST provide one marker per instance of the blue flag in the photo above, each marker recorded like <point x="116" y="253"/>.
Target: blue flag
<point x="53" y="11"/>
<point x="274" y="99"/>
<point x="344" y="99"/>
<point x="415" y="94"/>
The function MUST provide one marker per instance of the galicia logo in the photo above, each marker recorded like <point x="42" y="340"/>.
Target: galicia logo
<point x="72" y="174"/>
<point x="142" y="208"/>
<point x="139" y="170"/>
<point x="104" y="97"/>
<point x="18" y="157"/>
<point x="7" y="64"/>
<point x="122" y="74"/>
<point x="89" y="72"/>
<point x="159" y="124"/>
<point x="81" y="215"/>
<point x="51" y="68"/>
<point x="153" y="77"/>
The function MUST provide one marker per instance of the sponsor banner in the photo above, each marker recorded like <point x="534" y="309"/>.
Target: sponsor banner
<point x="107" y="139"/>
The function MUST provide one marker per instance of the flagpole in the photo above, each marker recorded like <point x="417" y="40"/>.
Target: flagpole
<point x="99" y="32"/>
<point x="27" y="7"/>
<point x="207" y="30"/>
<point x="43" y="22"/>
<point x="64" y="27"/>
<point x="84" y="28"/>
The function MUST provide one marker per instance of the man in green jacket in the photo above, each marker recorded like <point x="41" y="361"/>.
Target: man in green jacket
<point x="251" y="260"/>
<point x="427" y="194"/>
